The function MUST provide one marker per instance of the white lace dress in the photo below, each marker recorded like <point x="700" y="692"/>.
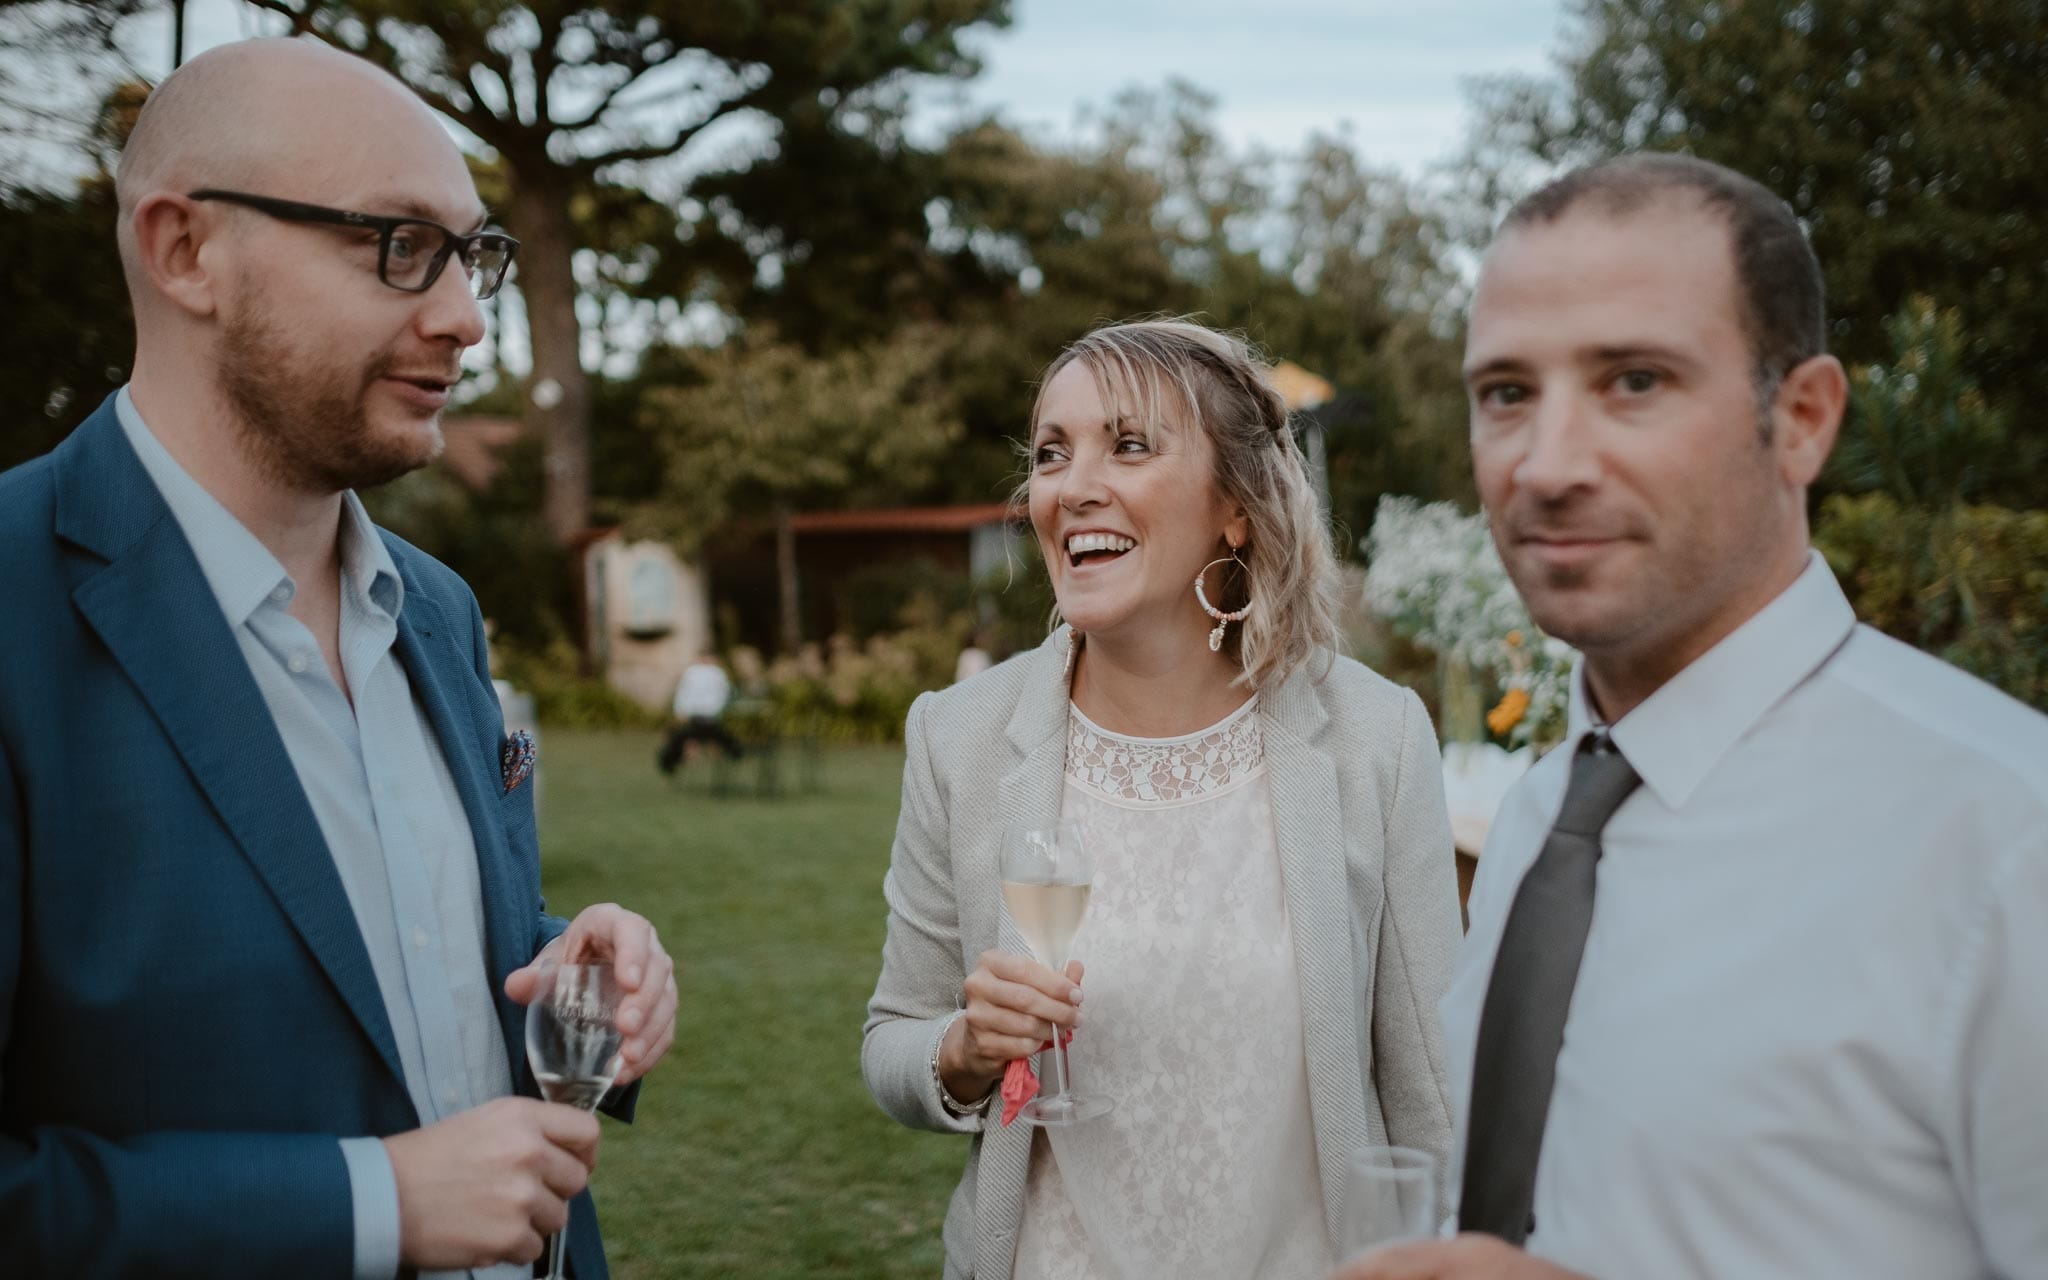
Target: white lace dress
<point x="1192" y="1026"/>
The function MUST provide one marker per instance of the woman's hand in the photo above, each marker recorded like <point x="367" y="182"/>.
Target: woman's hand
<point x="1012" y="1004"/>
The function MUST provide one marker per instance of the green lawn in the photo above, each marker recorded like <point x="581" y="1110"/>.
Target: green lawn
<point x="757" y="1151"/>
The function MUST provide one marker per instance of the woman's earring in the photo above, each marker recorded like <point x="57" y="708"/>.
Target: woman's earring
<point x="1223" y="620"/>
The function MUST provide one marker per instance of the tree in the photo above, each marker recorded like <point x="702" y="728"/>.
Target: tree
<point x="569" y="95"/>
<point x="1911" y="137"/>
<point x="68" y="338"/>
<point x="67" y="333"/>
<point x="1360" y="288"/>
<point x="1919" y="427"/>
<point x="770" y="427"/>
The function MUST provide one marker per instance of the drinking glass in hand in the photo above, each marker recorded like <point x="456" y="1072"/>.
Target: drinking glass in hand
<point x="1389" y="1196"/>
<point x="1047" y="876"/>
<point x="572" y="1044"/>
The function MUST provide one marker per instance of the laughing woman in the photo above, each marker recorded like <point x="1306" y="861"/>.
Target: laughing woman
<point x="1274" y="912"/>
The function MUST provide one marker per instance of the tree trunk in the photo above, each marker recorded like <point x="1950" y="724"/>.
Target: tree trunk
<point x="785" y="573"/>
<point x="558" y="392"/>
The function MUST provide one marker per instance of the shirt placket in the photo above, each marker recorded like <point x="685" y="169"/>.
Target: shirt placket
<point x="368" y="637"/>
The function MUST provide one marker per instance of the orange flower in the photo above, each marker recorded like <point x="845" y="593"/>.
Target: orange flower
<point x="1513" y="706"/>
<point x="1514" y="638"/>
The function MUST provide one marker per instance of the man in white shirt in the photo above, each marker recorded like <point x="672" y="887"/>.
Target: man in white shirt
<point x="1797" y="1025"/>
<point x="699" y="709"/>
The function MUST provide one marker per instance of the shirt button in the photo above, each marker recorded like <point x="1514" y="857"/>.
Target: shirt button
<point x="419" y="937"/>
<point x="449" y="1098"/>
<point x="297" y="663"/>
<point x="282" y="594"/>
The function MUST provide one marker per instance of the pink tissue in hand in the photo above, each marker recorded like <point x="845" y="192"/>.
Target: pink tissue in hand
<point x="1020" y="1082"/>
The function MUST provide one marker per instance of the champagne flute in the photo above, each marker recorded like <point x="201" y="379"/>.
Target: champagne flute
<point x="1047" y="876"/>
<point x="572" y="1044"/>
<point x="1389" y="1196"/>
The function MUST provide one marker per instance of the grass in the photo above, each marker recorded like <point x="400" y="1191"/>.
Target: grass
<point x="757" y="1151"/>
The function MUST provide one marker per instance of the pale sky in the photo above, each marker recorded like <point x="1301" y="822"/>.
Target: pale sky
<point x="1392" y="69"/>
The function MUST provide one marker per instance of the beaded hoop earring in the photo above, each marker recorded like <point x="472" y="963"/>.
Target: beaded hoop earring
<point x="1223" y="620"/>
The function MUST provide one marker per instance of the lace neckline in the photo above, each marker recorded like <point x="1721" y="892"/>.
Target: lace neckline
<point x="1165" y="770"/>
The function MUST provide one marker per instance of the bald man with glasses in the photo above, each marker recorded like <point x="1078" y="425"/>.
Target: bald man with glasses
<point x="269" y="882"/>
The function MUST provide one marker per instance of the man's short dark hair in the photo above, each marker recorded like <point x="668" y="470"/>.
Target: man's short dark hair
<point x="1784" y="306"/>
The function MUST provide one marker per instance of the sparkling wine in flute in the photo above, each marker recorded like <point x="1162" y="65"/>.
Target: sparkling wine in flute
<point x="1048" y="915"/>
<point x="1047" y="877"/>
<point x="580" y="1092"/>
<point x="572" y="1044"/>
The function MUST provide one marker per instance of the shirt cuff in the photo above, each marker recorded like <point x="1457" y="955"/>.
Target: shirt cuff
<point x="373" y="1189"/>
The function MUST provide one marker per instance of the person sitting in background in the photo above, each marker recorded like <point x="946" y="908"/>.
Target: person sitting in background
<point x="1274" y="911"/>
<point x="701" y="696"/>
<point x="973" y="660"/>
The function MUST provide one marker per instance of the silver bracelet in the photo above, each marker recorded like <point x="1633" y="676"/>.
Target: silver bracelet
<point x="954" y="1107"/>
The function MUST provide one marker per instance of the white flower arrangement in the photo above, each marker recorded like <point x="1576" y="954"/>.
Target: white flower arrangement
<point x="1434" y="575"/>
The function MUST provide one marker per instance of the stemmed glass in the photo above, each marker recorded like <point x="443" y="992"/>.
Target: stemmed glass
<point x="1047" y="876"/>
<point x="572" y="1044"/>
<point x="1389" y="1196"/>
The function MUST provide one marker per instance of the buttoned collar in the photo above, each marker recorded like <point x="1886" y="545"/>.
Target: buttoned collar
<point x="1676" y="737"/>
<point x="241" y="571"/>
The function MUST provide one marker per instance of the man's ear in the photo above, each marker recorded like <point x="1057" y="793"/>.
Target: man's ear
<point x="170" y="233"/>
<point x="1806" y="416"/>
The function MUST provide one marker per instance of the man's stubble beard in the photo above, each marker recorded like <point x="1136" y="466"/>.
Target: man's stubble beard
<point x="303" y="423"/>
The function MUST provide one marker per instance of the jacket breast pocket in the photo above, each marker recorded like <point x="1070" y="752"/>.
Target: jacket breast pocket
<point x="516" y="812"/>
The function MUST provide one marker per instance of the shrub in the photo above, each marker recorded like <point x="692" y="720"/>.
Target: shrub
<point x="846" y="691"/>
<point x="563" y="697"/>
<point x="1967" y="583"/>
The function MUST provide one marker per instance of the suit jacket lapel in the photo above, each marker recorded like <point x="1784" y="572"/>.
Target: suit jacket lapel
<point x="1029" y="796"/>
<point x="151" y="606"/>
<point x="1308" y="826"/>
<point x="428" y="650"/>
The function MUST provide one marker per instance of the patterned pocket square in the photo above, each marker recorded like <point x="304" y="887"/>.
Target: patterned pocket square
<point x="515" y="758"/>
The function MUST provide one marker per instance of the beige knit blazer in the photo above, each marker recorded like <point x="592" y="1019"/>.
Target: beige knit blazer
<point x="1371" y="883"/>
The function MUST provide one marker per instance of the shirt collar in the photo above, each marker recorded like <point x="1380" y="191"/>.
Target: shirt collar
<point x="1679" y="733"/>
<point x="367" y="567"/>
<point x="241" y="571"/>
<point x="238" y="567"/>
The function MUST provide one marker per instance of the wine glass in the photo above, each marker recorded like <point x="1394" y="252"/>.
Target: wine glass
<point x="1389" y="1196"/>
<point x="1047" y="876"/>
<point x="572" y="1044"/>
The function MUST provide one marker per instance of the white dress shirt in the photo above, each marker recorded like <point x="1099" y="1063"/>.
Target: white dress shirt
<point x="1810" y="1032"/>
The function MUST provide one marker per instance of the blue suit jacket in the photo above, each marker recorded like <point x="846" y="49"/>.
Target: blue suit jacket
<point x="188" y="1018"/>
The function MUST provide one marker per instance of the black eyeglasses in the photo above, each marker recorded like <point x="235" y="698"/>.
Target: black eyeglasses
<point x="410" y="251"/>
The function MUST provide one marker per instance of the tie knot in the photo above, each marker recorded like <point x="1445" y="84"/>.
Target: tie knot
<point x="1601" y="779"/>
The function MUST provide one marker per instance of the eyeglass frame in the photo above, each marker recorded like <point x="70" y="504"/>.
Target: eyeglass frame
<point x="385" y="226"/>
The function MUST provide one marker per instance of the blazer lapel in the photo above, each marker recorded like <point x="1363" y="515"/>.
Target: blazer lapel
<point x="1308" y="826"/>
<point x="1028" y="796"/>
<point x="428" y="650"/>
<point x="152" y="607"/>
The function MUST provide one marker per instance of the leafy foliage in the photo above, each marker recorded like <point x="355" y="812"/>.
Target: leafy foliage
<point x="766" y="425"/>
<point x="1968" y="584"/>
<point x="66" y="329"/>
<point x="1919" y="428"/>
<point x="1911" y="136"/>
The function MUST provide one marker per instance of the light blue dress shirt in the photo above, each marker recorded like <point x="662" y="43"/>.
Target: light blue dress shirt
<point x="381" y="791"/>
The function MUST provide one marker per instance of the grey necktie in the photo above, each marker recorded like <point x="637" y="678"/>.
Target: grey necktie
<point x="1521" y="1025"/>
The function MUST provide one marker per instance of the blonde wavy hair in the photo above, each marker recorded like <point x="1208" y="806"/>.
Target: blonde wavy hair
<point x="1176" y="373"/>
